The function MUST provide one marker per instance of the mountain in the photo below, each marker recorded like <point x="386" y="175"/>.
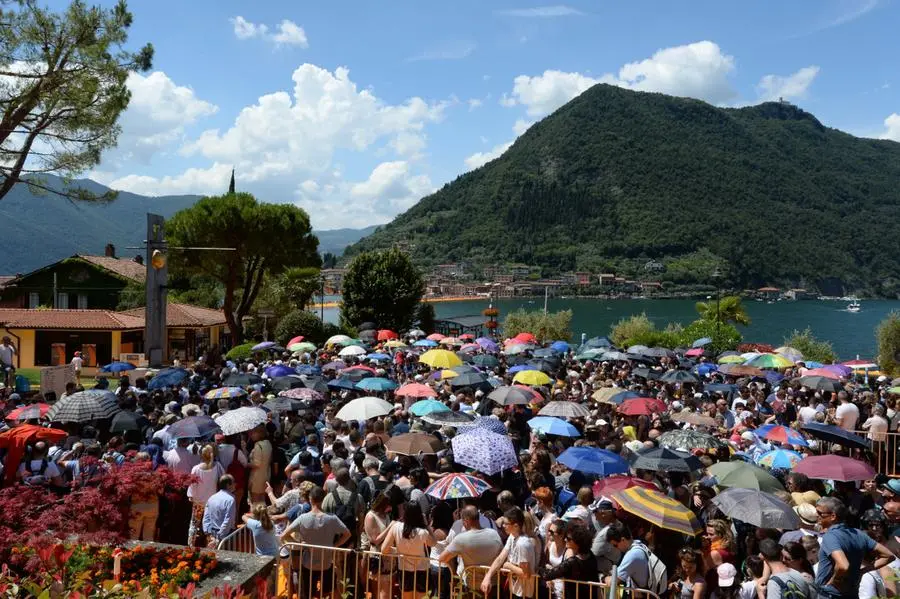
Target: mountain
<point x="615" y="179"/>
<point x="41" y="228"/>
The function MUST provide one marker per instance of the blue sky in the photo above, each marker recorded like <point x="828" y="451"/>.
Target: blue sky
<point x="355" y="110"/>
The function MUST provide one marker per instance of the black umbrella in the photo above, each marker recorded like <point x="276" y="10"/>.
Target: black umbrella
<point x="285" y="404"/>
<point x="658" y="352"/>
<point x="678" y="376"/>
<point x="283" y="383"/>
<point x="128" y="421"/>
<point x="646" y="373"/>
<point x="465" y="356"/>
<point x="835" y="434"/>
<point x="369" y="336"/>
<point x="316" y="383"/>
<point x="242" y="379"/>
<point x="820" y="383"/>
<point x="665" y="459"/>
<point x="193" y="427"/>
<point x="469" y="379"/>
<point x="448" y="418"/>
<point x="356" y="374"/>
<point x="367" y="326"/>
<point x="275" y="349"/>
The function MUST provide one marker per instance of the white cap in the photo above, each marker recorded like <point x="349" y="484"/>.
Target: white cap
<point x="748" y="436"/>
<point x="677" y="405"/>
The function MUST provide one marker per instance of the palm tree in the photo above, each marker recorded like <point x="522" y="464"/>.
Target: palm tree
<point x="729" y="309"/>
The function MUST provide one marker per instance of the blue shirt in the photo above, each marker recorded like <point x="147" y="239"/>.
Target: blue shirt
<point x="856" y="545"/>
<point x="400" y="428"/>
<point x="634" y="570"/>
<point x="218" y="516"/>
<point x="265" y="540"/>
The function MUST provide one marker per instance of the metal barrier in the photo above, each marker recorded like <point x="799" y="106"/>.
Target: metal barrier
<point x="241" y="540"/>
<point x="883" y="454"/>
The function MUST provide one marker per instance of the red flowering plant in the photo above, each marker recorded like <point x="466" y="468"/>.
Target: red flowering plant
<point x="762" y="348"/>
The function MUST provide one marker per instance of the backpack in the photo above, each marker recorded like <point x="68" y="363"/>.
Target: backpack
<point x="658" y="579"/>
<point x="790" y="590"/>
<point x="346" y="512"/>
<point x="35" y="478"/>
<point x="237" y="471"/>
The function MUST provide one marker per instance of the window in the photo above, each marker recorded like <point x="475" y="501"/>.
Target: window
<point x="34" y="300"/>
<point x="82" y="301"/>
<point x="62" y="301"/>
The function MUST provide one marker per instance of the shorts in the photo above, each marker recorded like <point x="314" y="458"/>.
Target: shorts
<point x="416" y="580"/>
<point x="311" y="579"/>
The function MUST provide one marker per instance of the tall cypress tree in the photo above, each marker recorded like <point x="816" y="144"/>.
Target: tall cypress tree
<point x="231" y="184"/>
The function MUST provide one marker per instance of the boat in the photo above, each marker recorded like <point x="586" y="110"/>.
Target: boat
<point x="854" y="306"/>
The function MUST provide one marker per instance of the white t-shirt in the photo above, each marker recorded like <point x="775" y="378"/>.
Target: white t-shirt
<point x="522" y="549"/>
<point x="77" y="362"/>
<point x="34" y="466"/>
<point x="807" y="414"/>
<point x="207" y="482"/>
<point x="848" y="414"/>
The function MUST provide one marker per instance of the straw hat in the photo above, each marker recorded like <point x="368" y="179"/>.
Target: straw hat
<point x="806" y="513"/>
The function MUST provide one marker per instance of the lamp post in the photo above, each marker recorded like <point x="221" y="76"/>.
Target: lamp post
<point x="717" y="275"/>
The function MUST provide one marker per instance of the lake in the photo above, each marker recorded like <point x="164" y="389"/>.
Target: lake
<point x="849" y="333"/>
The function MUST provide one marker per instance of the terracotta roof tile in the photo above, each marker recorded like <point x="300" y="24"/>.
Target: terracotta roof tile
<point x="185" y="315"/>
<point x="124" y="268"/>
<point x="101" y="320"/>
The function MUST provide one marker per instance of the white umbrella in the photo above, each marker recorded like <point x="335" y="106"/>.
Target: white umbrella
<point x="237" y="421"/>
<point x="352" y="350"/>
<point x="364" y="408"/>
<point x="338" y="340"/>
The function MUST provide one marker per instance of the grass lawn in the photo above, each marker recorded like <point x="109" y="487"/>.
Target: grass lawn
<point x="34" y="378"/>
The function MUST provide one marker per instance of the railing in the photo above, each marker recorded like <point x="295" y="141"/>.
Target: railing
<point x="883" y="455"/>
<point x="315" y="572"/>
<point x="241" y="540"/>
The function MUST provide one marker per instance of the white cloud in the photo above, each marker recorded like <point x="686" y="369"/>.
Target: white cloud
<point x="409" y="144"/>
<point x="773" y="87"/>
<point x="474" y="103"/>
<point x="540" y="12"/>
<point x="891" y="128"/>
<point x="481" y="158"/>
<point x="698" y="70"/>
<point x="245" y="30"/>
<point x="521" y="126"/>
<point x="208" y="181"/>
<point x="286" y="33"/>
<point x="289" y="33"/>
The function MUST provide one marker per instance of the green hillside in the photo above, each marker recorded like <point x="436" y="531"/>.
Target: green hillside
<point x="615" y="178"/>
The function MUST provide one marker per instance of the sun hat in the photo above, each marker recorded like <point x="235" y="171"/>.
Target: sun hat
<point x="807" y="513"/>
<point x="810" y="497"/>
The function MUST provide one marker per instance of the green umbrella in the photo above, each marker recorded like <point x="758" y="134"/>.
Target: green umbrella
<point x="742" y="475"/>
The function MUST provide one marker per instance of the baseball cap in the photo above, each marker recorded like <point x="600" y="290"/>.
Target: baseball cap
<point x="601" y="504"/>
<point x="727" y="574"/>
<point x="748" y="436"/>
<point x="893" y="485"/>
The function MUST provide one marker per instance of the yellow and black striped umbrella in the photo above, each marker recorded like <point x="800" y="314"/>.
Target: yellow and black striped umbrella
<point x="658" y="509"/>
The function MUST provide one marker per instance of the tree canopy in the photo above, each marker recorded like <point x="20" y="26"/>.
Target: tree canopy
<point x="725" y="309"/>
<point x="381" y="287"/>
<point x="545" y="326"/>
<point x="62" y="90"/>
<point x="267" y="239"/>
<point x="888" y="335"/>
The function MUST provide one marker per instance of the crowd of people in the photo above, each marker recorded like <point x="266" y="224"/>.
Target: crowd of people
<point x="303" y="476"/>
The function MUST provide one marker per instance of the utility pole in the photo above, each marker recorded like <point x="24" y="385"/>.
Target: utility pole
<point x="717" y="274"/>
<point x="155" y="342"/>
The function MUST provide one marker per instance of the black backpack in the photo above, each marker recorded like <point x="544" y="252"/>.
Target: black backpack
<point x="346" y="512"/>
<point x="30" y="475"/>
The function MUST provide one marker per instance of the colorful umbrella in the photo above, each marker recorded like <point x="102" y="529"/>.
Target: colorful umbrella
<point x="241" y="420"/>
<point x="619" y="482"/>
<point x="16" y="440"/>
<point x="694" y="352"/>
<point x="440" y="358"/>
<point x="860" y="364"/>
<point x="770" y="361"/>
<point x="553" y="426"/>
<point x="835" y="467"/>
<point x="414" y="444"/>
<point x="731" y="360"/>
<point x="658" y="509"/>
<point x="279" y="370"/>
<point x="443" y="375"/>
<point x="565" y="409"/>
<point x="525" y="337"/>
<point x="301" y="346"/>
<point x="225" y="393"/>
<point x="425" y="343"/>
<point x="84" y="406"/>
<point x="824" y="372"/>
<point x="758" y="508"/>
<point x="783" y="434"/>
<point x="363" y="408"/>
<point x="740" y="370"/>
<point x="35" y="410"/>
<point x="467" y="337"/>
<point x="302" y="394"/>
<point x="488" y="344"/>
<point x="779" y="458"/>
<point x="745" y="476"/>
<point x="435" y="337"/>
<point x="593" y="460"/>
<point x="262" y="346"/>
<point x="377" y="384"/>
<point x="794" y="355"/>
<point x="297" y="339"/>
<point x="484" y="451"/>
<point x="338" y="340"/>
<point x="451" y="341"/>
<point x="415" y="390"/>
<point x="457" y="486"/>
<point x="663" y="459"/>
<point x="534" y="378"/>
<point x="487" y="422"/>
<point x="637" y="406"/>
<point x="424" y="407"/>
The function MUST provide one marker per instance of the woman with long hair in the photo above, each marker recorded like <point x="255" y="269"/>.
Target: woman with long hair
<point x="543" y="510"/>
<point x="718" y="544"/>
<point x="260" y="524"/>
<point x="375" y="528"/>
<point x="441" y="520"/>
<point x="580" y="565"/>
<point x="689" y="582"/>
<point x="411" y="538"/>
<point x="556" y="552"/>
<point x="520" y="556"/>
<point x="206" y="477"/>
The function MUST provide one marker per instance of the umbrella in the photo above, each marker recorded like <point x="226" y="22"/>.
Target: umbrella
<point x="395" y="343"/>
<point x="731" y="359"/>
<point x="678" y="376"/>
<point x="598" y="342"/>
<point x="427" y="406"/>
<point x="484" y="451"/>
<point x="782" y="434"/>
<point x="414" y="444"/>
<point x="486" y="422"/>
<point x="705" y="368"/>
<point x="835" y="434"/>
<point x="308" y="369"/>
<point x="835" y="467"/>
<point x="619" y="482"/>
<point x="658" y="352"/>
<point x="283" y="383"/>
<point x="302" y="346"/>
<point x="376" y="383"/>
<point x="740" y="370"/>
<point x="605" y="394"/>
<point x="507" y="396"/>
<point x="467" y="337"/>
<point x="415" y="390"/>
<point x="485" y="361"/>
<point x="488" y="344"/>
<point x="615" y="356"/>
<point x="193" y="427"/>
<point x="425" y="343"/>
<point x="302" y="393"/>
<point x="703" y="341"/>
<point x="451" y="341"/>
<point x="279" y="370"/>
<point x="694" y="352"/>
<point x="779" y="458"/>
<point x="316" y="383"/>
<point x="386" y="335"/>
<point x="240" y="379"/>
<point x="770" y="361"/>
<point x="377" y="357"/>
<point x="367" y="326"/>
<point x="342" y="383"/>
<point x="665" y="460"/>
<point x="443" y="375"/>
<point x="517" y="348"/>
<point x="416" y="333"/>
<point x="553" y="426"/>
<point x="241" y="420"/>
<point x="824" y="372"/>
<point x="118" y="367"/>
<point x="565" y="409"/>
<point x="364" y="408"/>
<point x="352" y="350"/>
<point x="687" y="439"/>
<point x="758" y="508"/>
<point x="225" y="393"/>
<point x="560" y="346"/>
<point x="16" y="440"/>
<point x="468" y="379"/>
<point x="263" y="346"/>
<point x="593" y="460"/>
<point x="637" y="406"/>
<point x="860" y="364"/>
<point x="357" y="373"/>
<point x="820" y="383"/>
<point x="464" y="368"/>
<point x="338" y="340"/>
<point x="457" y="486"/>
<point x="520" y="368"/>
<point x="435" y="337"/>
<point x="284" y="404"/>
<point x="745" y="476"/>
<point x="838" y="369"/>
<point x="440" y="358"/>
<point x="128" y="421"/>
<point x="35" y="410"/>
<point x="525" y="338"/>
<point x="84" y="406"/>
<point x="590" y="354"/>
<point x="694" y="418"/>
<point x="532" y="377"/>
<point x="448" y="418"/>
<point x="167" y="377"/>
<point x="794" y="355"/>
<point x="297" y="339"/>
<point x="658" y="509"/>
<point x="335" y="365"/>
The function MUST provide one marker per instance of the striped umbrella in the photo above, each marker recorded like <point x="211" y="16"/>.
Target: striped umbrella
<point x="658" y="509"/>
<point x="782" y="434"/>
<point x="565" y="409"/>
<point x="779" y="458"/>
<point x="302" y="393"/>
<point x="457" y="486"/>
<point x="84" y="406"/>
<point x="225" y="393"/>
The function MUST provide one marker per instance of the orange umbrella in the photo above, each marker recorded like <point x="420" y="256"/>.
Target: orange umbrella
<point x="27" y="412"/>
<point x="525" y="338"/>
<point x="16" y="439"/>
<point x="387" y="335"/>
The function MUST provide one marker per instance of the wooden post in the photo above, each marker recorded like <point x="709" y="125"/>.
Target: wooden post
<point x="156" y="286"/>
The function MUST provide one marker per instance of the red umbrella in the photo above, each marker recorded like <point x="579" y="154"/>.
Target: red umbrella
<point x="834" y="467"/>
<point x="387" y="335"/>
<point x="366" y="368"/>
<point x="435" y="337"/>
<point x="611" y="484"/>
<point x="525" y="338"/>
<point x="25" y="412"/>
<point x="829" y="374"/>
<point x="537" y="396"/>
<point x="415" y="390"/>
<point x="696" y="351"/>
<point x="15" y="440"/>
<point x="467" y="336"/>
<point x="296" y="339"/>
<point x="637" y="406"/>
<point x="857" y="363"/>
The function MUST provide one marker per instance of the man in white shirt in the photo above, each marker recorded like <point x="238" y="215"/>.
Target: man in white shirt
<point x="181" y="459"/>
<point x="77" y="363"/>
<point x="7" y="352"/>
<point x="847" y="414"/>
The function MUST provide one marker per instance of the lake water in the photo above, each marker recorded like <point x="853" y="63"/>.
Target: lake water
<point x="849" y="333"/>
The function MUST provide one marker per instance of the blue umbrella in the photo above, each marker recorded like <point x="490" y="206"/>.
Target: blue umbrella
<point x="835" y="434"/>
<point x="544" y="352"/>
<point x="560" y="346"/>
<point x="779" y="458"/>
<point x="262" y="346"/>
<point x="553" y="426"/>
<point x="429" y="406"/>
<point x="342" y="383"/>
<point x="308" y="369"/>
<point x="621" y="396"/>
<point x="522" y="367"/>
<point x="376" y="383"/>
<point x="701" y="342"/>
<point x="486" y="422"/>
<point x="377" y="357"/>
<point x="487" y="344"/>
<point x="279" y="370"/>
<point x="118" y="367"/>
<point x="773" y="377"/>
<point x="167" y="377"/>
<point x="425" y="343"/>
<point x="812" y="364"/>
<point x="593" y="460"/>
<point x="705" y="368"/>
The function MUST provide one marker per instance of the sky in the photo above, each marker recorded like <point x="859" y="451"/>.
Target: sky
<point x="356" y="110"/>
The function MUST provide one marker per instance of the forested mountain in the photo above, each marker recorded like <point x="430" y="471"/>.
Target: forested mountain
<point x="615" y="178"/>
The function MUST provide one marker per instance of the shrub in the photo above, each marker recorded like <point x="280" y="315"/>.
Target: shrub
<point x="546" y="326"/>
<point x="299" y="322"/>
<point x="725" y="336"/>
<point x="668" y="339"/>
<point x="240" y="352"/>
<point x="888" y="335"/>
<point x="811" y="348"/>
<point x="631" y="328"/>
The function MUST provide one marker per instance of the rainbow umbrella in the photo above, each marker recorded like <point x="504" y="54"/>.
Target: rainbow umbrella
<point x="457" y="486"/>
<point x="779" y="458"/>
<point x="225" y="393"/>
<point x="658" y="509"/>
<point x="782" y="434"/>
<point x="770" y="361"/>
<point x="731" y="360"/>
